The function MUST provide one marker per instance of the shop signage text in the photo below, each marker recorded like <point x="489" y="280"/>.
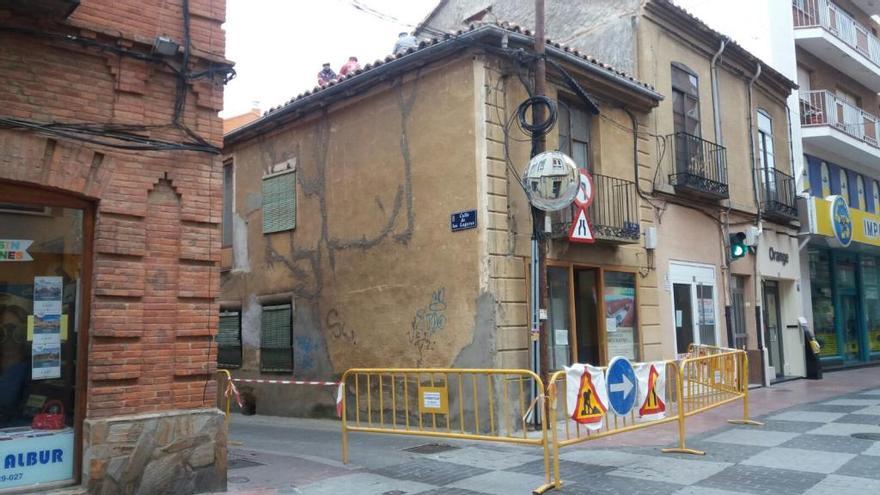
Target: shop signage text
<point x="32" y="459"/>
<point x="15" y="250"/>
<point x="778" y="256"/>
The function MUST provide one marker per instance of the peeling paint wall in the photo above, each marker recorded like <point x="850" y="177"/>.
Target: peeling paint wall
<point x="377" y="178"/>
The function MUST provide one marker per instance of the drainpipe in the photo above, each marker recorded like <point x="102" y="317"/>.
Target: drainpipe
<point x="759" y="315"/>
<point x="716" y="104"/>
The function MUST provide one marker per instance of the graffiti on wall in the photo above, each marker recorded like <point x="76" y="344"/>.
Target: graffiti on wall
<point x="427" y="322"/>
<point x="337" y="329"/>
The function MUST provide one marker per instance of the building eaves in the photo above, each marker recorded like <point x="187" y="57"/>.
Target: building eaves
<point x="428" y="51"/>
<point x="694" y="22"/>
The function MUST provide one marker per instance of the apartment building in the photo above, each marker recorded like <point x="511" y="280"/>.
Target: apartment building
<point x="721" y="165"/>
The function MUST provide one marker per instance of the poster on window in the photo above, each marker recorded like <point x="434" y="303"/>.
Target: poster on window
<point x="47" y="295"/>
<point x="46" y="360"/>
<point x="46" y="343"/>
<point x="620" y="318"/>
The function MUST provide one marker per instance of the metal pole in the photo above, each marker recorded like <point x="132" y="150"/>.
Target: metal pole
<point x="538" y="145"/>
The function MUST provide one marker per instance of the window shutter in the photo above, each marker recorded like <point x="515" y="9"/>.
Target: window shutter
<point x="229" y="340"/>
<point x="276" y="350"/>
<point x="279" y="203"/>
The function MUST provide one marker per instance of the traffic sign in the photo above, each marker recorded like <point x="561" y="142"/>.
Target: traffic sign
<point x="654" y="403"/>
<point x="622" y="383"/>
<point x="588" y="406"/>
<point x="584" y="197"/>
<point x="581" y="230"/>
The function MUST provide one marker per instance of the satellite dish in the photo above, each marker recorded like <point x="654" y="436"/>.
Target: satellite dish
<point x="551" y="180"/>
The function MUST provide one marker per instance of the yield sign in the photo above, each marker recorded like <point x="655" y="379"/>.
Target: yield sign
<point x="581" y="230"/>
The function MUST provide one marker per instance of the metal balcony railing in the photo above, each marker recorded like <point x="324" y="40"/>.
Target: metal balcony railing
<point x="697" y="166"/>
<point x="824" y="14"/>
<point x="614" y="213"/>
<point x="779" y="199"/>
<point x="825" y="108"/>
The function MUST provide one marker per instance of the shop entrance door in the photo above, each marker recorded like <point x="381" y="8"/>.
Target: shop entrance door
<point x="849" y="319"/>
<point x="772" y="327"/>
<point x="694" y="308"/>
<point x="586" y="304"/>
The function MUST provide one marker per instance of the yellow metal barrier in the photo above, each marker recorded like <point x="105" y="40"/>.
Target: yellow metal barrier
<point x="467" y="404"/>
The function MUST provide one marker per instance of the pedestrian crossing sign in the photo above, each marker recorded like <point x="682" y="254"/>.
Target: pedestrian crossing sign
<point x="589" y="408"/>
<point x="653" y="403"/>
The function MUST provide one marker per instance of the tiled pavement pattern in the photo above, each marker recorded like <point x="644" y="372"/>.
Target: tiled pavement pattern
<point x="807" y="449"/>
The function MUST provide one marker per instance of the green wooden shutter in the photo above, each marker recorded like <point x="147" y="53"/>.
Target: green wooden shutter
<point x="279" y="203"/>
<point x="229" y="340"/>
<point x="276" y="349"/>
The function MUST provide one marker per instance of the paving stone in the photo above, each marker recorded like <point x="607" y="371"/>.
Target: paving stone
<point x="854" y="402"/>
<point x="429" y="471"/>
<point x="719" y="452"/>
<point x="828" y="443"/>
<point x="670" y="470"/>
<point x="450" y="491"/>
<point x="875" y="410"/>
<point x="487" y="459"/>
<point x="834" y="484"/>
<point x="844" y="429"/>
<point x="810" y="461"/>
<point x="826" y="408"/>
<point x="860" y="419"/>
<point x="762" y="480"/>
<point x="702" y="490"/>
<point x="615" y="485"/>
<point x="500" y="483"/>
<point x="788" y="426"/>
<point x="569" y="471"/>
<point x="755" y="437"/>
<point x="813" y="416"/>
<point x="873" y="449"/>
<point x="601" y="457"/>
<point x="362" y="484"/>
<point x="863" y="466"/>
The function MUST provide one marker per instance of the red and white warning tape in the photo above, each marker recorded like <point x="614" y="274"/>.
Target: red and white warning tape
<point x="286" y="382"/>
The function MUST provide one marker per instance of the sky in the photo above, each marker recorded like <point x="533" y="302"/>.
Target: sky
<point x="278" y="46"/>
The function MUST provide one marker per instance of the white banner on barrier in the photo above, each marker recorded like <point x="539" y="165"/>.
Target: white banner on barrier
<point x="586" y="395"/>
<point x="652" y="389"/>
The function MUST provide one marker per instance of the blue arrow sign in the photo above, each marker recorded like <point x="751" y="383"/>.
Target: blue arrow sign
<point x="621" y="383"/>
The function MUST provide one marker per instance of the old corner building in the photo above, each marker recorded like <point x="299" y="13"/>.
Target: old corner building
<point x="110" y="196"/>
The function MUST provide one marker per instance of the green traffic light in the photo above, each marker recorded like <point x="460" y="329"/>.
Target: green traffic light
<point x="738" y="247"/>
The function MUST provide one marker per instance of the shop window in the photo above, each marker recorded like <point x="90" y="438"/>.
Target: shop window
<point x="861" y="200"/>
<point x="844" y="186"/>
<point x="875" y="189"/>
<point x="823" y="302"/>
<point x="560" y="321"/>
<point x="621" y="315"/>
<point x="276" y="339"/>
<point x="826" y="179"/>
<point x="229" y="340"/>
<point x="228" y="200"/>
<point x="574" y="133"/>
<point x="871" y="289"/>
<point x="279" y="202"/>
<point x="42" y="257"/>
<point x="685" y="100"/>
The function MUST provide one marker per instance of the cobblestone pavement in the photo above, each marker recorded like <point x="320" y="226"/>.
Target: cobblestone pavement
<point x="807" y="449"/>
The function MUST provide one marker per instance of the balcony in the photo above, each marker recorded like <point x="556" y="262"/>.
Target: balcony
<point x="614" y="214"/>
<point x="830" y="34"/>
<point x="696" y="167"/>
<point x="830" y="123"/>
<point x="779" y="201"/>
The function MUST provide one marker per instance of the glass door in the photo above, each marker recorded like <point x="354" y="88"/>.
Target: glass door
<point x="684" y="316"/>
<point x="586" y="309"/>
<point x="773" y="330"/>
<point x="560" y="316"/>
<point x="694" y="308"/>
<point x="849" y="319"/>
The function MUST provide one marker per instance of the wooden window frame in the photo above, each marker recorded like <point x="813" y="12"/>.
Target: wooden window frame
<point x="24" y="193"/>
<point x="686" y="93"/>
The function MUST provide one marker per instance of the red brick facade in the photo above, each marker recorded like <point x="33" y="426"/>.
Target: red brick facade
<point x="156" y="242"/>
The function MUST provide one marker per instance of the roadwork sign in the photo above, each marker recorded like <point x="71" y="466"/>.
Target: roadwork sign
<point x="654" y="404"/>
<point x="589" y="407"/>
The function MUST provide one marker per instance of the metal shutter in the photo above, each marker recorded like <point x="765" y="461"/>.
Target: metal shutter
<point x="229" y="340"/>
<point x="279" y="203"/>
<point x="276" y="351"/>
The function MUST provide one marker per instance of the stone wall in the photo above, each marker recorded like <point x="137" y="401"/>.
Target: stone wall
<point x="180" y="451"/>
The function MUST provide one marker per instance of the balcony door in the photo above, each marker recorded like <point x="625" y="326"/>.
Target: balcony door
<point x="685" y="117"/>
<point x="766" y="155"/>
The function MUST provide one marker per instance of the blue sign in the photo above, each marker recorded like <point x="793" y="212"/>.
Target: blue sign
<point x="463" y="220"/>
<point x="621" y="382"/>
<point x="39" y="457"/>
<point x="841" y="221"/>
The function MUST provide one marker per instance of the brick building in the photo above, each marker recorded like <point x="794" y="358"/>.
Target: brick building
<point x="109" y="244"/>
